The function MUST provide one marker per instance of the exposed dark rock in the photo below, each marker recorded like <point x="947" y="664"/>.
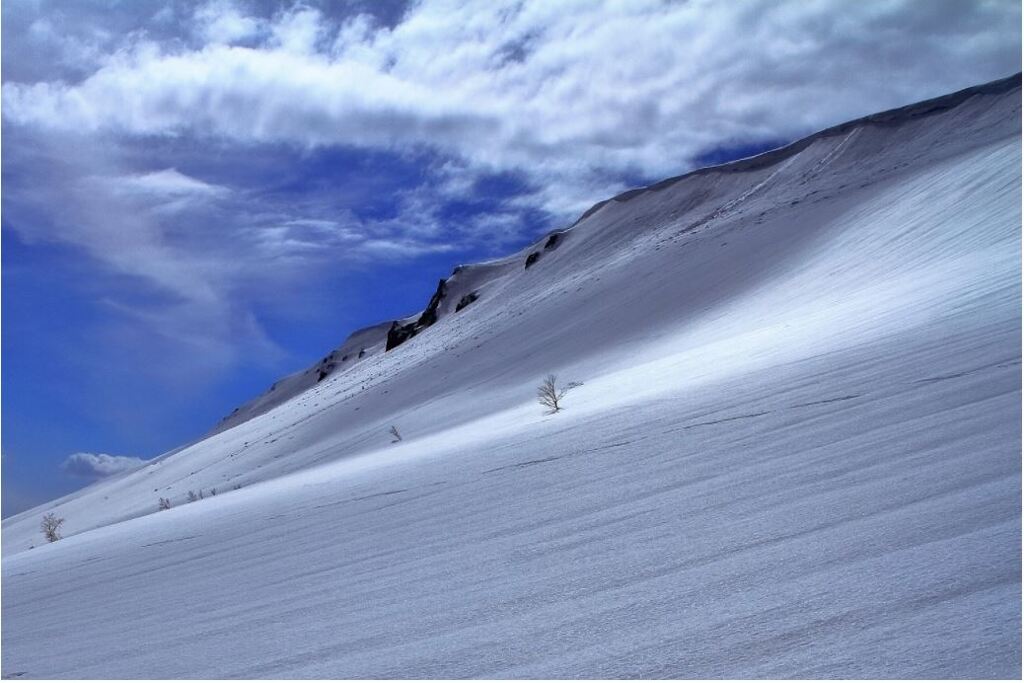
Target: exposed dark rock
<point x="466" y="300"/>
<point x="326" y="367"/>
<point x="532" y="258"/>
<point x="553" y="241"/>
<point x="362" y="352"/>
<point x="429" y="315"/>
<point x="398" y="334"/>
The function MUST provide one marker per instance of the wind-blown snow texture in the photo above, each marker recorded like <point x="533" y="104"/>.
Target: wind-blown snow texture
<point x="796" y="453"/>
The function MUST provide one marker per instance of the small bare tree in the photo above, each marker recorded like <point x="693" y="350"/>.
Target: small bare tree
<point x="192" y="497"/>
<point x="548" y="394"/>
<point x="165" y="504"/>
<point x="394" y="432"/>
<point x="51" y="526"/>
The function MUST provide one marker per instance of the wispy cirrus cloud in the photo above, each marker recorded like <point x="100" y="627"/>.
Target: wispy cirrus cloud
<point x="168" y="182"/>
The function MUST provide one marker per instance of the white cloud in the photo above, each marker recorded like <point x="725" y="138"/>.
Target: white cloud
<point x="86" y="49"/>
<point x="222" y="22"/>
<point x="298" y="30"/>
<point x="402" y="247"/>
<point x="575" y="95"/>
<point x="98" y="465"/>
<point x="168" y="182"/>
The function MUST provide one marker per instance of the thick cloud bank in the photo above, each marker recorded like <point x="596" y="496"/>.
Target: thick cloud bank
<point x="575" y="95"/>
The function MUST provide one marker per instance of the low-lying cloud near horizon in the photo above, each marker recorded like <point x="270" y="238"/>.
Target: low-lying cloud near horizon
<point x="98" y="465"/>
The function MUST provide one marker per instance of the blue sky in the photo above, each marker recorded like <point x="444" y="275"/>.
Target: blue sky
<point x="200" y="196"/>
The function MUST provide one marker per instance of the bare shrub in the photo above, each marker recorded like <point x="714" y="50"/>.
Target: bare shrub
<point x="213" y="492"/>
<point x="192" y="497"/>
<point x="51" y="526"/>
<point x="165" y="504"/>
<point x="548" y="394"/>
<point x="394" y="432"/>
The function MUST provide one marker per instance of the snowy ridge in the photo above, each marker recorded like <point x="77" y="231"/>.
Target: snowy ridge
<point x="372" y="340"/>
<point x="463" y="288"/>
<point x="891" y="117"/>
<point x="795" y="453"/>
<point x="358" y="345"/>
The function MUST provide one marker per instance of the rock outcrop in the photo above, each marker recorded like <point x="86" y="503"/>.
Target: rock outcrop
<point x="399" y="333"/>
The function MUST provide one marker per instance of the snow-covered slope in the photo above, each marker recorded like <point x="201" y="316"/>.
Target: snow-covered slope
<point x="796" y="452"/>
<point x="356" y="348"/>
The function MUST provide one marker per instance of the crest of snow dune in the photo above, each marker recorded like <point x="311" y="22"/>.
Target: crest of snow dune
<point x="98" y="465"/>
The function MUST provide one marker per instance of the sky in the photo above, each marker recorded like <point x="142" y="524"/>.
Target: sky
<point x="201" y="196"/>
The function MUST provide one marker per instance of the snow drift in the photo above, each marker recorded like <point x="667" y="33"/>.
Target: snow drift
<point x="795" y="452"/>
